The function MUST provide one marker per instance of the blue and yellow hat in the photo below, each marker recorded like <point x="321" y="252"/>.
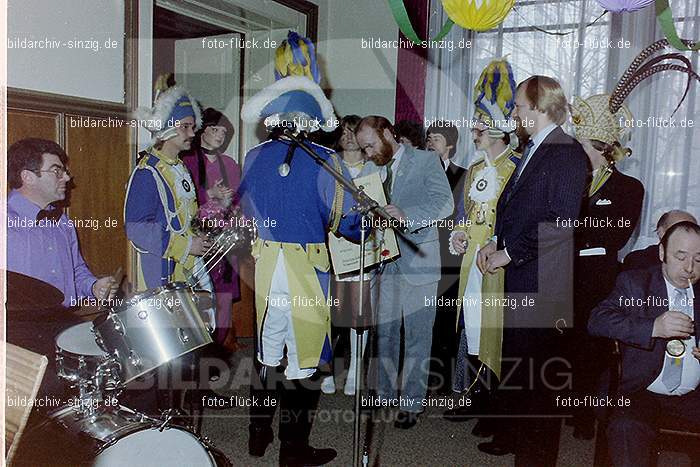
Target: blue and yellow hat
<point x="172" y="104"/>
<point x="495" y="98"/>
<point x="296" y="94"/>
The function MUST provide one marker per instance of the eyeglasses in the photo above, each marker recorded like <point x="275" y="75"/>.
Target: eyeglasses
<point x="59" y="172"/>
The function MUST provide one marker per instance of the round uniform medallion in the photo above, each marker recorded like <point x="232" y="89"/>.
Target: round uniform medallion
<point x="186" y="186"/>
<point x="481" y="185"/>
<point x="283" y="169"/>
<point x="675" y="348"/>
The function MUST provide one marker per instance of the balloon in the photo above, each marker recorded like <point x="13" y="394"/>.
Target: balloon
<point x="479" y="15"/>
<point x="617" y="6"/>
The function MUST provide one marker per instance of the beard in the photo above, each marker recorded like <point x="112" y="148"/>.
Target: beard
<point x="385" y="153"/>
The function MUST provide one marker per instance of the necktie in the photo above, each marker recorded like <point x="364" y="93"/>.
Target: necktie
<point x="387" y="181"/>
<point x="523" y="161"/>
<point x="673" y="369"/>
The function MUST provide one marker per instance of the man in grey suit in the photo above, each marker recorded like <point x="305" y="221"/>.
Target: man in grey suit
<point x="418" y="195"/>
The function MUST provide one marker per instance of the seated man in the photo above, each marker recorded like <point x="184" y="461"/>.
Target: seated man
<point x="42" y="244"/>
<point x="649" y="256"/>
<point x="652" y="314"/>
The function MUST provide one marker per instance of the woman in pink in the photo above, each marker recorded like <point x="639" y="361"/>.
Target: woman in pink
<point x="217" y="177"/>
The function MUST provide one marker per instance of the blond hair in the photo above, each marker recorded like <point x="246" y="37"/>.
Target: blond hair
<point x="546" y="95"/>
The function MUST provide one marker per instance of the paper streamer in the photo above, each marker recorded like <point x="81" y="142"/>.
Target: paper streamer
<point x="665" y="18"/>
<point x="398" y="10"/>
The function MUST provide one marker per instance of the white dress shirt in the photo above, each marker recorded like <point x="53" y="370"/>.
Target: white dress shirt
<point x="394" y="167"/>
<point x="690" y="377"/>
<point x="537" y="139"/>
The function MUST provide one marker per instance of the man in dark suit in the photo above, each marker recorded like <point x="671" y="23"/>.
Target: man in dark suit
<point x="649" y="256"/>
<point x="608" y="217"/>
<point x="534" y="244"/>
<point x="618" y="201"/>
<point x="651" y="312"/>
<point x="442" y="138"/>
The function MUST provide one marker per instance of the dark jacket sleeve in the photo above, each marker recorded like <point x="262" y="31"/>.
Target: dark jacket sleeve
<point x="618" y="316"/>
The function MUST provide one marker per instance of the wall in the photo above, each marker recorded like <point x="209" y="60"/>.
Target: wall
<point x="363" y="80"/>
<point x="70" y="56"/>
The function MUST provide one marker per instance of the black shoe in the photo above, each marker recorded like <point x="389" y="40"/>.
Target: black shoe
<point x="584" y="431"/>
<point x="208" y="399"/>
<point x="292" y="455"/>
<point x="460" y="414"/>
<point x="483" y="429"/>
<point x="259" y="438"/>
<point x="405" y="420"/>
<point x="496" y="448"/>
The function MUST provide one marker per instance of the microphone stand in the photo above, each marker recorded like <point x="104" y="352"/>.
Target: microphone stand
<point x="364" y="206"/>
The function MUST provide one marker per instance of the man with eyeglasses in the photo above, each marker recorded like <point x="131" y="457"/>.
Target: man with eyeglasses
<point x="41" y="242"/>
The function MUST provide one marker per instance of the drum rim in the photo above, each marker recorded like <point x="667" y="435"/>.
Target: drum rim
<point x="135" y="299"/>
<point x="168" y="287"/>
<point x="124" y="382"/>
<point x="156" y="425"/>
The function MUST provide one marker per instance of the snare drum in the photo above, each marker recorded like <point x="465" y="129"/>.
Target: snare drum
<point x="152" y="329"/>
<point x="77" y="354"/>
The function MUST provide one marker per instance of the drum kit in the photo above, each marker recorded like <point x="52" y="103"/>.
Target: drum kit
<point x="125" y="344"/>
<point x="103" y="357"/>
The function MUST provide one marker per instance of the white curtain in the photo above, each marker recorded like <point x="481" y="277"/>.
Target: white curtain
<point x="664" y="159"/>
<point x="585" y="64"/>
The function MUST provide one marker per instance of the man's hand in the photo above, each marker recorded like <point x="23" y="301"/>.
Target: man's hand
<point x="696" y="352"/>
<point x="200" y="245"/>
<point x="105" y="288"/>
<point x="459" y="241"/>
<point x="483" y="255"/>
<point x="672" y="324"/>
<point x="496" y="260"/>
<point x="395" y="211"/>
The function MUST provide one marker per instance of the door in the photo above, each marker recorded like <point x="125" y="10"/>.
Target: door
<point x="210" y="68"/>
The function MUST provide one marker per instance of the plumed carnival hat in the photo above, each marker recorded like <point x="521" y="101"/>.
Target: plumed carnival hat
<point x="593" y="119"/>
<point x="495" y="98"/>
<point x="296" y="95"/>
<point x="172" y="103"/>
<point x="603" y="117"/>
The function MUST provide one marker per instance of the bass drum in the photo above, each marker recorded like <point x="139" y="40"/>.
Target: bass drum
<point x="151" y="447"/>
<point x="118" y="436"/>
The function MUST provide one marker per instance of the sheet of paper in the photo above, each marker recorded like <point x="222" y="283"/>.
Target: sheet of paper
<point x="381" y="245"/>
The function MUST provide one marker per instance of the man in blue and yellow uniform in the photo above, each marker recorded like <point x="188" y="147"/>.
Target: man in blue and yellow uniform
<point x="479" y="355"/>
<point x="160" y="205"/>
<point x="161" y="199"/>
<point x="294" y="203"/>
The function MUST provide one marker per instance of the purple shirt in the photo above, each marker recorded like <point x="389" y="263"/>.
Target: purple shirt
<point x="46" y="250"/>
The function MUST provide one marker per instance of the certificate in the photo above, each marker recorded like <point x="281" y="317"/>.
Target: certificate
<point x="380" y="245"/>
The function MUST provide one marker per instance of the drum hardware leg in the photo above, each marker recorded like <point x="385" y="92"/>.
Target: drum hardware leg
<point x="168" y="416"/>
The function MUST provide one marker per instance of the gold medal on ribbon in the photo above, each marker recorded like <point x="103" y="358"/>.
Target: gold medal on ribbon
<point x="481" y="214"/>
<point x="675" y="348"/>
